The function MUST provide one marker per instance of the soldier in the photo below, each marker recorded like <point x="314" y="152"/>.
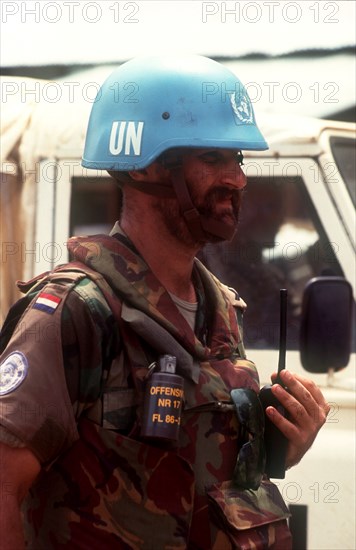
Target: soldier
<point x="90" y="462"/>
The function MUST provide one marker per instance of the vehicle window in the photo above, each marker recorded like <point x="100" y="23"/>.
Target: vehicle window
<point x="344" y="152"/>
<point x="95" y="205"/>
<point x="279" y="244"/>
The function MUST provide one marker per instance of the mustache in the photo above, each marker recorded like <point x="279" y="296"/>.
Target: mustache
<point x="221" y="193"/>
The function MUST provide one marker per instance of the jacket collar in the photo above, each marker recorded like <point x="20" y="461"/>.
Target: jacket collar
<point x="128" y="275"/>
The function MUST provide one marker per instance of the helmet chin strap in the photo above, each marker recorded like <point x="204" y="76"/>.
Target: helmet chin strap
<point x="198" y="225"/>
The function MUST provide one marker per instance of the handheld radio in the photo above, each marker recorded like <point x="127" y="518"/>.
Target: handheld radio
<point x="275" y="441"/>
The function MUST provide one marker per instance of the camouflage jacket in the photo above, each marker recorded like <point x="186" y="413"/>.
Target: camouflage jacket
<point x="103" y="485"/>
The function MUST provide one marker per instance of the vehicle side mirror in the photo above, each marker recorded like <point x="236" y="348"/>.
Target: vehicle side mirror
<point x="326" y="323"/>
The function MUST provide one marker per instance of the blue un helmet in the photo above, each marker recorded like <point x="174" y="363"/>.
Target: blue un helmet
<point x="150" y="105"/>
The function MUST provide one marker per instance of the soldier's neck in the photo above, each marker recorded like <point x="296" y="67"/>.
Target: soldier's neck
<point x="170" y="260"/>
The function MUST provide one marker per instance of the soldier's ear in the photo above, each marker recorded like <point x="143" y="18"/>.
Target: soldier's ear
<point x="153" y="172"/>
<point x="138" y="175"/>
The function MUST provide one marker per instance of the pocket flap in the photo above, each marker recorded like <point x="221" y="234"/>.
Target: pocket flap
<point x="247" y="508"/>
<point x="119" y="408"/>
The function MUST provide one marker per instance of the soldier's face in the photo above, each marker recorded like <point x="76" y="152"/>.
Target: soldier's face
<point x="215" y="182"/>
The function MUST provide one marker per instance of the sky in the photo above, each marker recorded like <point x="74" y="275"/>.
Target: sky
<point x="83" y="31"/>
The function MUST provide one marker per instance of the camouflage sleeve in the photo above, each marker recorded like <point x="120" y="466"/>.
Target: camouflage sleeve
<point x="40" y="401"/>
<point x="90" y="341"/>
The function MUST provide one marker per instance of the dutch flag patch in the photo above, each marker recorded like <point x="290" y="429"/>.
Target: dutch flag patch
<point x="47" y="302"/>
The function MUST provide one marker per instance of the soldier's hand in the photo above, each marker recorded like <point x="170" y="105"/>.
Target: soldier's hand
<point x="306" y="409"/>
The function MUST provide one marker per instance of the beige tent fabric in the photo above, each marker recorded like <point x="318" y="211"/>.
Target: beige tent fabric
<point x="11" y="266"/>
<point x="39" y="120"/>
<point x="16" y="112"/>
<point x="17" y="106"/>
<point x="57" y="131"/>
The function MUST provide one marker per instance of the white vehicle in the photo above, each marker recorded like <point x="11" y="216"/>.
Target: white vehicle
<point x="298" y="222"/>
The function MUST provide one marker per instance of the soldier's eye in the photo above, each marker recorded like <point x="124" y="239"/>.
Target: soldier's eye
<point x="210" y="158"/>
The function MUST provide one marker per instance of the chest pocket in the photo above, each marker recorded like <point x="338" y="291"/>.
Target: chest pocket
<point x="119" y="409"/>
<point x="116" y="407"/>
<point x="119" y="400"/>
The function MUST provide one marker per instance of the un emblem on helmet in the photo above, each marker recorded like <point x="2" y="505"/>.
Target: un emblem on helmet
<point x="242" y="108"/>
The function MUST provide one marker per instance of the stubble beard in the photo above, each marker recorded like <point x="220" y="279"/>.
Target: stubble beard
<point x="208" y="208"/>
